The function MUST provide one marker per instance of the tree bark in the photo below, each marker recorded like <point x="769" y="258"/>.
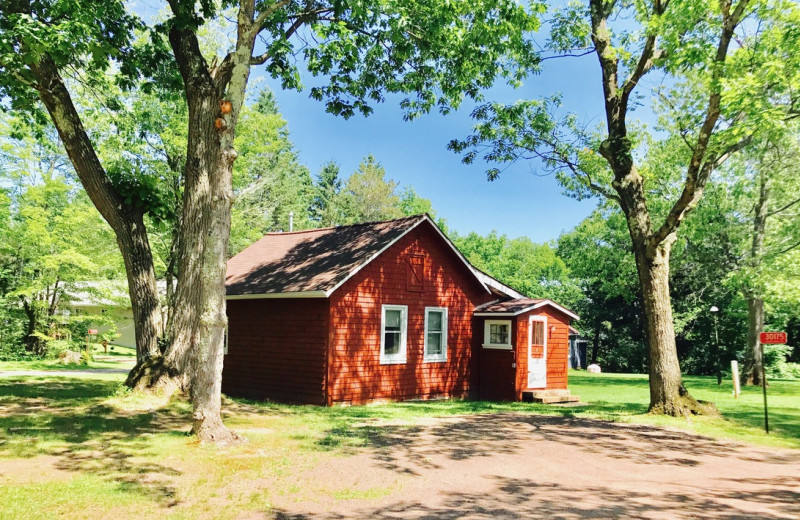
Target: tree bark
<point x="668" y="396"/>
<point x="126" y="221"/>
<point x="595" y="343"/>
<point x="753" y="357"/>
<point x="32" y="343"/>
<point x="200" y="319"/>
<point x="751" y="371"/>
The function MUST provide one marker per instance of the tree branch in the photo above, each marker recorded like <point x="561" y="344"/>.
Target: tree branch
<point x="58" y="102"/>
<point x="647" y="59"/>
<point x="266" y="13"/>
<point x="262" y="58"/>
<point x="568" y="55"/>
<point x="299" y="20"/>
<point x="693" y="191"/>
<point x="599" y="11"/>
<point x="783" y="208"/>
<point x="191" y="63"/>
<point x="786" y="250"/>
<point x="698" y="171"/>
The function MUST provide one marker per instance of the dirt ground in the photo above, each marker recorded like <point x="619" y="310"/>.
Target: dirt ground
<point x="516" y="466"/>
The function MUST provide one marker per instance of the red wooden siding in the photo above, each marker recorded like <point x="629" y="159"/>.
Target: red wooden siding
<point x="355" y="372"/>
<point x="521" y="348"/>
<point x="277" y="349"/>
<point x="557" y="348"/>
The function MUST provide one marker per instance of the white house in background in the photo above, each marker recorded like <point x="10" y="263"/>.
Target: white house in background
<point x="106" y="297"/>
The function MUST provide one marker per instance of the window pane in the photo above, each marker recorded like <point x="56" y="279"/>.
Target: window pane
<point x="435" y="321"/>
<point x="391" y="343"/>
<point x="393" y="318"/>
<point x="498" y="334"/>
<point x="434" y="343"/>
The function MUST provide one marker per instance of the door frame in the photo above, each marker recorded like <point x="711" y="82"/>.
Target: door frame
<point x="543" y="360"/>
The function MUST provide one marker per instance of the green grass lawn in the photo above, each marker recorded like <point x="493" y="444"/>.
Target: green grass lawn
<point x="116" y="357"/>
<point x="624" y="397"/>
<point x="84" y="447"/>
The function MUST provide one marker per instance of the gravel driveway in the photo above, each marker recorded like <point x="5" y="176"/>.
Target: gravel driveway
<point x="531" y="467"/>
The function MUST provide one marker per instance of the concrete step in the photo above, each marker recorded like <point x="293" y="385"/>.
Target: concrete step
<point x="549" y="396"/>
<point x="553" y="392"/>
<point x="555" y="399"/>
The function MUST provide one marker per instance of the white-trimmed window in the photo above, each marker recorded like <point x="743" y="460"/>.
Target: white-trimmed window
<point x="497" y="334"/>
<point x="394" y="326"/>
<point x="435" y="334"/>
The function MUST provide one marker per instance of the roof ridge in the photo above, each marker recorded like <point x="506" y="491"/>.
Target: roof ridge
<point x="357" y="224"/>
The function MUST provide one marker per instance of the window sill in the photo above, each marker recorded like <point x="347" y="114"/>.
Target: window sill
<point x="393" y="361"/>
<point x="434" y="360"/>
<point x="496" y="347"/>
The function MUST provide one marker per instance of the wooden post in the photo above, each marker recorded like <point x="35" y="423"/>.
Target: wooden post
<point x="735" y="375"/>
<point x="764" y="387"/>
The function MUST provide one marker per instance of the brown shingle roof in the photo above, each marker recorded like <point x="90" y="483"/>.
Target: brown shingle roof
<point x="314" y="260"/>
<point x="518" y="306"/>
<point x="513" y="306"/>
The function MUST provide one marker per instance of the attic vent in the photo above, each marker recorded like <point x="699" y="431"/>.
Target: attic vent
<point x="415" y="273"/>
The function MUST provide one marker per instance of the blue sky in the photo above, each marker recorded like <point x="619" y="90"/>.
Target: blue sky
<point x="521" y="202"/>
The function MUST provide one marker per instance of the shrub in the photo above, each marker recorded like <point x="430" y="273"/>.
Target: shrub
<point x="56" y="346"/>
<point x="86" y="357"/>
<point x="776" y="365"/>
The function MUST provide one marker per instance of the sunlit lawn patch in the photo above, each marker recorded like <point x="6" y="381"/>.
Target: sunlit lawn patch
<point x="116" y="357"/>
<point x="625" y="397"/>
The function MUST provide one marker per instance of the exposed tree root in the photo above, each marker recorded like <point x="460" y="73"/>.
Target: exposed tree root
<point x="213" y="431"/>
<point x="683" y="405"/>
<point x="156" y="377"/>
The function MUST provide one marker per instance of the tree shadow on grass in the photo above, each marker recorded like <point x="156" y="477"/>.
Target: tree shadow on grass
<point x="68" y="419"/>
<point x="782" y="421"/>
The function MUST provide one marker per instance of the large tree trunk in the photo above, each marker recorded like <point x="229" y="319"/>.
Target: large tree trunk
<point x="142" y="288"/>
<point x="667" y="394"/>
<point x="751" y="371"/>
<point x="753" y="358"/>
<point x="200" y="319"/>
<point x="32" y="343"/>
<point x="126" y="221"/>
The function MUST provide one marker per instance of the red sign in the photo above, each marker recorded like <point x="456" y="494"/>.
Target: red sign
<point x="92" y="331"/>
<point x="773" y="338"/>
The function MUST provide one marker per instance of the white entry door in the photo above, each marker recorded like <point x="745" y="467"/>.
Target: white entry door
<point x="537" y="352"/>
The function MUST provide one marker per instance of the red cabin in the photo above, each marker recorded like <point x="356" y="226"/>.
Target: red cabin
<point x="382" y="311"/>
